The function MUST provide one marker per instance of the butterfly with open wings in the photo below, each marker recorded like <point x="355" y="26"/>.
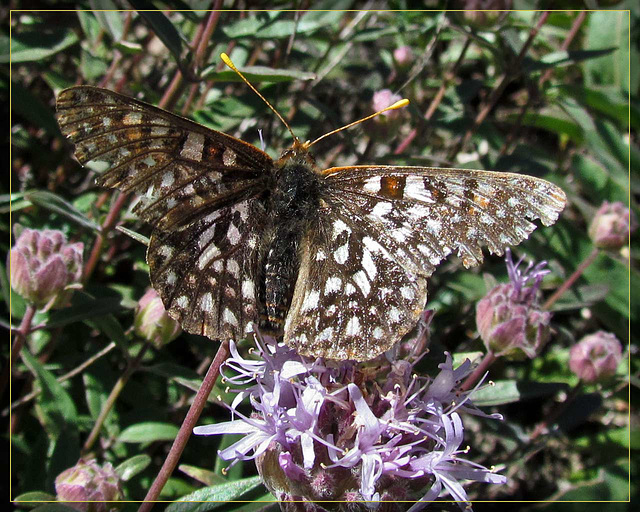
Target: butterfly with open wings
<point x="335" y="261"/>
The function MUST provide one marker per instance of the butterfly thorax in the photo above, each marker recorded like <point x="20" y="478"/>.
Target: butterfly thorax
<point x="293" y="203"/>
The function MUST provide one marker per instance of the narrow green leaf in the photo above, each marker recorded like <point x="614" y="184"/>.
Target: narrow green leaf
<point x="109" y="17"/>
<point x="33" y="498"/>
<point x="55" y="203"/>
<point x="136" y="236"/>
<point x="161" y="26"/>
<point x="215" y="496"/>
<point x="148" y="432"/>
<point x="257" y="74"/>
<point x="133" y="466"/>
<point x="202" y="475"/>
<point x="37" y="45"/>
<point x="84" y="307"/>
<point x="564" y="58"/>
<point x="56" y="408"/>
<point x="510" y="391"/>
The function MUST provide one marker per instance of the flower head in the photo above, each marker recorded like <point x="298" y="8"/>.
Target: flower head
<point x="87" y="486"/>
<point x="152" y="322"/>
<point x="509" y="319"/>
<point x="611" y="225"/>
<point x="317" y="435"/>
<point x="596" y="356"/>
<point x="44" y="268"/>
<point x="403" y="57"/>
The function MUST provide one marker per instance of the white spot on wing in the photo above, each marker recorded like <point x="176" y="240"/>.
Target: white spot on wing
<point x="193" y="146"/>
<point x="341" y="254"/>
<point x="360" y="278"/>
<point x="310" y="301"/>
<point x="353" y="327"/>
<point x="333" y="284"/>
<point x="229" y="317"/>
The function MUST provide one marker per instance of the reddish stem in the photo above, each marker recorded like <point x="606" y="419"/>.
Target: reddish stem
<point x="572" y="279"/>
<point x="488" y="359"/>
<point x="506" y="78"/>
<point x="186" y="428"/>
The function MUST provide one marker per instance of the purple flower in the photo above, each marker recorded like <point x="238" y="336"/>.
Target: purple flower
<point x="595" y="357"/>
<point x="317" y="435"/>
<point x="89" y="487"/>
<point x="44" y="268"/>
<point x="509" y="318"/>
<point x="611" y="225"/>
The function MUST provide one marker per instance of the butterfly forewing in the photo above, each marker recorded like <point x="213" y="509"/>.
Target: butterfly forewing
<point x="198" y="189"/>
<point x="424" y="213"/>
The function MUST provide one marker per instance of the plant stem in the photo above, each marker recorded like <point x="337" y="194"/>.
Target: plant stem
<point x="113" y="396"/>
<point x="488" y="359"/>
<point x="18" y="343"/>
<point x="78" y="369"/>
<point x="186" y="428"/>
<point x="505" y="80"/>
<point x="572" y="279"/>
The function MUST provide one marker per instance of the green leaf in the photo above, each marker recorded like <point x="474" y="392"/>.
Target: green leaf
<point x="202" y="475"/>
<point x="56" y="408"/>
<point x="564" y="58"/>
<point x="35" y="45"/>
<point x="109" y="17"/>
<point x="55" y="203"/>
<point x="218" y="493"/>
<point x="606" y="29"/>
<point x="148" y="432"/>
<point x="509" y="391"/>
<point x="257" y="74"/>
<point x="133" y="466"/>
<point x="84" y="307"/>
<point x="33" y="498"/>
<point x="161" y="26"/>
<point x="136" y="236"/>
<point x="54" y="507"/>
<point x="33" y="110"/>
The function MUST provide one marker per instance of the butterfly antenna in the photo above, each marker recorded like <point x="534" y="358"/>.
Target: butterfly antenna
<point x="398" y="104"/>
<point x="225" y="58"/>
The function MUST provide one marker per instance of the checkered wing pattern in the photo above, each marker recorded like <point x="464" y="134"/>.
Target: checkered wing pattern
<point x="197" y="188"/>
<point x="384" y="231"/>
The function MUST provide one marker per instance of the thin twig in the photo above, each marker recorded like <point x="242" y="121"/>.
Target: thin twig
<point x="572" y="279"/>
<point x="505" y="79"/>
<point x="186" y="428"/>
<point x="78" y="369"/>
<point x="113" y="396"/>
<point x="488" y="359"/>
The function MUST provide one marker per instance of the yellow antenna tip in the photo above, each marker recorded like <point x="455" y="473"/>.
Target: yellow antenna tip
<point x="398" y="104"/>
<point x="225" y="58"/>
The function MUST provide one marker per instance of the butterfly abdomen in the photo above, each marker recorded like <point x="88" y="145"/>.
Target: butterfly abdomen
<point x="293" y="203"/>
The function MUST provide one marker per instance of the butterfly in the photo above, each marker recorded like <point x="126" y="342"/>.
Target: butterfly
<point x="335" y="261"/>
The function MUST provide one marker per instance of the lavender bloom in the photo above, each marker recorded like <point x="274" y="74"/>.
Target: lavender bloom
<point x="315" y="435"/>
<point x="509" y="318"/>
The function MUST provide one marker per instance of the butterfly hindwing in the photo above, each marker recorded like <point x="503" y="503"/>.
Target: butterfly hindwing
<point x="352" y="299"/>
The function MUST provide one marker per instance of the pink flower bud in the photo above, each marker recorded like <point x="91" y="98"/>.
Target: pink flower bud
<point x="611" y="225"/>
<point x="509" y="319"/>
<point x="384" y="126"/>
<point x="90" y="486"/>
<point x="152" y="321"/>
<point x="596" y="356"/>
<point x="403" y="57"/>
<point x="44" y="268"/>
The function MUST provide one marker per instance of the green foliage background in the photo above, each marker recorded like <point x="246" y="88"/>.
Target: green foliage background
<point x="576" y="128"/>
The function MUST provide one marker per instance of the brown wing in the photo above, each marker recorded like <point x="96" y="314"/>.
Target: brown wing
<point x="362" y="281"/>
<point x="200" y="189"/>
